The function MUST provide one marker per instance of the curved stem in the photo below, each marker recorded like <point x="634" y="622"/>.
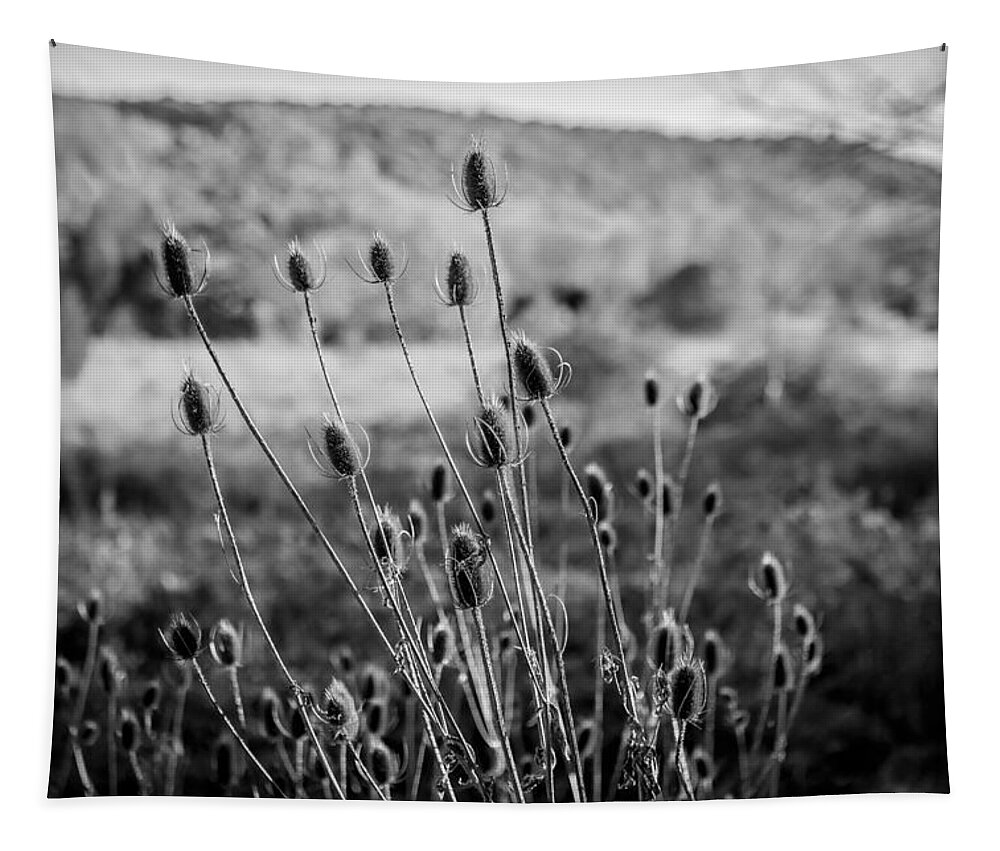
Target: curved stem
<point x="680" y="757"/>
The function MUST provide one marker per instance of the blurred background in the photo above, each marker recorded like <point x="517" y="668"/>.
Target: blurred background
<point x="776" y="229"/>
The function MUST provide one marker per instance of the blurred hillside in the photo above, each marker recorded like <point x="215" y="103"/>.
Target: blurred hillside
<point x="699" y="237"/>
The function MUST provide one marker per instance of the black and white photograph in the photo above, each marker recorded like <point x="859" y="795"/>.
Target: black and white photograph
<point x="560" y="442"/>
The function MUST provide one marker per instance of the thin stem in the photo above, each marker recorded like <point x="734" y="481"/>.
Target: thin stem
<point x="659" y="477"/>
<point x="675" y="514"/>
<point x="76" y="718"/>
<point x="758" y="738"/>
<point x="484" y="647"/>
<point x="112" y="745"/>
<point x="699" y="565"/>
<point x="602" y="567"/>
<point x="597" y="766"/>
<point x="81" y="769"/>
<point x="176" y="743"/>
<point x="363" y="771"/>
<point x="138" y="773"/>
<point x="680" y="757"/>
<point x="232" y="728"/>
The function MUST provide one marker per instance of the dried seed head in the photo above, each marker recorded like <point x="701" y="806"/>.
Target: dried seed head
<point x="374" y="683"/>
<point x="300" y="273"/>
<point x="89" y="733"/>
<point x="784" y="675"/>
<point x="566" y="437"/>
<point x="110" y="672"/>
<point x="342" y="660"/>
<point x="493" y="449"/>
<point x="226" y="644"/>
<point x="608" y="536"/>
<point x="176" y="257"/>
<point x="715" y="655"/>
<point x="441" y="487"/>
<point x="479" y="179"/>
<point x="529" y="416"/>
<point x="812" y="655"/>
<point x="386" y="536"/>
<point x="768" y="580"/>
<point x="532" y="369"/>
<point x="488" y="508"/>
<point x="182" y="637"/>
<point x="382" y="762"/>
<point x="151" y="696"/>
<point x="651" y="389"/>
<point x="418" y="521"/>
<point x="340" y="449"/>
<point x="380" y="260"/>
<point x="377" y="716"/>
<point x="129" y="730"/>
<point x="460" y="287"/>
<point x="442" y="644"/>
<point x="644" y="484"/>
<point x="198" y="407"/>
<point x="667" y="642"/>
<point x="711" y="503"/>
<point x="699" y="400"/>
<point x="92" y="609"/>
<point x="471" y="584"/>
<point x="686" y="690"/>
<point x="65" y="677"/>
<point x="704" y="768"/>
<point x="805" y="624"/>
<point x="598" y="490"/>
<point x="339" y="711"/>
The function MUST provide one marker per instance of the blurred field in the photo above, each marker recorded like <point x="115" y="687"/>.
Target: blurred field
<point x="813" y="265"/>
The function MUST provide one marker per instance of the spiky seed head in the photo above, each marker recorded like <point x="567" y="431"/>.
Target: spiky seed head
<point x="89" y="733"/>
<point x="382" y="762"/>
<point x="532" y="369"/>
<point x="176" y="257"/>
<point x="460" y="287"/>
<point x="441" y="489"/>
<point x="151" y="694"/>
<point x="699" y="400"/>
<point x="566" y="437"/>
<point x="711" y="503"/>
<point x="129" y="730"/>
<point x="182" y="637"/>
<point x="381" y="260"/>
<point x="226" y="644"/>
<point x="488" y="508"/>
<point x="686" y="690"/>
<point x="784" y="675"/>
<point x="386" y="536"/>
<point x="91" y="609"/>
<point x="340" y="449"/>
<point x="644" y="484"/>
<point x="418" y="521"/>
<point x="340" y="711"/>
<point x="805" y="624"/>
<point x="491" y="428"/>
<point x="442" y="644"/>
<point x="300" y="273"/>
<point x="598" y="490"/>
<point x="110" y="672"/>
<point x="479" y="181"/>
<point x="470" y="583"/>
<point x="651" y="389"/>
<point x="768" y="580"/>
<point x="198" y="406"/>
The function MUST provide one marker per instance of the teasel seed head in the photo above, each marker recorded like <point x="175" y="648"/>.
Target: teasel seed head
<point x="129" y="730"/>
<point x="151" y="694"/>
<point x="711" y="503"/>
<point x="651" y="389"/>
<point x="478" y="190"/>
<point x="377" y="716"/>
<point x="460" y="289"/>
<point x="470" y="582"/>
<point x="225" y="642"/>
<point x="418" y="521"/>
<point x="273" y="715"/>
<point x="65" y="677"/>
<point x="182" y="637"/>
<point x="488" y="508"/>
<point x="492" y="449"/>
<point x="386" y="536"/>
<point x="198" y="408"/>
<point x="339" y="449"/>
<point x="441" y="485"/>
<point x="687" y="693"/>
<point x="339" y="711"/>
<point x="176" y="256"/>
<point x="380" y="260"/>
<point x="382" y="763"/>
<point x="715" y="655"/>
<point x="699" y="400"/>
<point x="566" y="438"/>
<point x="599" y="491"/>
<point x="373" y="683"/>
<point x="92" y="608"/>
<point x="533" y="371"/>
<point x="110" y="672"/>
<point x="607" y="536"/>
<point x="812" y="655"/>
<point x="667" y="642"/>
<point x="768" y="580"/>
<point x="784" y="675"/>
<point x="805" y="624"/>
<point x="644" y="484"/>
<point x="442" y="644"/>
<point x="301" y="278"/>
<point x="529" y="416"/>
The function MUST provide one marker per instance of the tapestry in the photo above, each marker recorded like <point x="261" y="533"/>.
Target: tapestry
<point x="468" y="442"/>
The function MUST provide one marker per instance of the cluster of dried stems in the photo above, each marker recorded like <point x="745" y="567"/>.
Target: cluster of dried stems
<point x="483" y="708"/>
